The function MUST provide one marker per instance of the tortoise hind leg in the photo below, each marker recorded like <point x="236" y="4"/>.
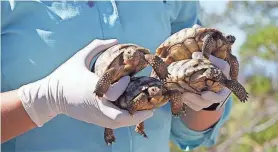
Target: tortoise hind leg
<point x="177" y="106"/>
<point x="109" y="137"/>
<point x="106" y="80"/>
<point x="234" y="66"/>
<point x="158" y="65"/>
<point x="140" y="129"/>
<point x="237" y="89"/>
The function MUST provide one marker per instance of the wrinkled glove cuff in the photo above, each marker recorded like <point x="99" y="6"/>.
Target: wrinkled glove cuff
<point x="212" y="107"/>
<point x="34" y="100"/>
<point x="217" y="106"/>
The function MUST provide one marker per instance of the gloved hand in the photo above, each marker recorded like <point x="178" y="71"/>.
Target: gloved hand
<point x="207" y="98"/>
<point x="69" y="90"/>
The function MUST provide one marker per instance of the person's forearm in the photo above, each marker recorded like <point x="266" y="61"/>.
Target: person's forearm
<point x="201" y="120"/>
<point x="14" y="119"/>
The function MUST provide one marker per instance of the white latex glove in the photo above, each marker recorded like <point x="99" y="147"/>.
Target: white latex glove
<point x="207" y="98"/>
<point x="69" y="90"/>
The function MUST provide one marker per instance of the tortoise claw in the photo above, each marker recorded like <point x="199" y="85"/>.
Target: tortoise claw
<point x="181" y="112"/>
<point x="109" y="137"/>
<point x="144" y="135"/>
<point x="110" y="141"/>
<point x="237" y="89"/>
<point x="176" y="115"/>
<point x="245" y="100"/>
<point x="140" y="129"/>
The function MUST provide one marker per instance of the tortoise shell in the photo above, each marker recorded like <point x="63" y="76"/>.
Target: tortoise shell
<point x="105" y="60"/>
<point x="124" y="60"/>
<point x="184" y="72"/>
<point x="140" y="85"/>
<point x="182" y="44"/>
<point x="198" y="75"/>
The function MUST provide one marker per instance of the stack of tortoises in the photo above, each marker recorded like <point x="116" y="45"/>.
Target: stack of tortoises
<point x="145" y="93"/>
<point x="181" y="45"/>
<point x="122" y="60"/>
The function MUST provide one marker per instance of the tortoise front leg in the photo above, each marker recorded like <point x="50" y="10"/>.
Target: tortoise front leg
<point x="109" y="137"/>
<point x="234" y="66"/>
<point x="140" y="129"/>
<point x="237" y="89"/>
<point x="177" y="106"/>
<point x="106" y="80"/>
<point x="158" y="65"/>
<point x="110" y="76"/>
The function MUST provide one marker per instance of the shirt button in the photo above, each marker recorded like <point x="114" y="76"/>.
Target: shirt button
<point x="90" y="3"/>
<point x="109" y="9"/>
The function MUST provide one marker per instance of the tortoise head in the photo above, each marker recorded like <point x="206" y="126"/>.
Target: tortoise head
<point x="132" y="56"/>
<point x="231" y="39"/>
<point x="154" y="91"/>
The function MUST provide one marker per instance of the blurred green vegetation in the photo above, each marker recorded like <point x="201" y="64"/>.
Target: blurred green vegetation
<point x="253" y="126"/>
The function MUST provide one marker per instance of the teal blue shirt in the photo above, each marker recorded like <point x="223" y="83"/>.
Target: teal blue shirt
<point x="39" y="36"/>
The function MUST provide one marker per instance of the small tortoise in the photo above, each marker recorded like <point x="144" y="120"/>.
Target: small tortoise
<point x="197" y="75"/>
<point x="122" y="60"/>
<point x="183" y="43"/>
<point x="145" y="93"/>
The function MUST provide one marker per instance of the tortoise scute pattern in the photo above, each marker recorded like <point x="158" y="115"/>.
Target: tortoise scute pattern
<point x="181" y="73"/>
<point x="215" y="73"/>
<point x="180" y="69"/>
<point x="139" y="84"/>
<point x="104" y="60"/>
